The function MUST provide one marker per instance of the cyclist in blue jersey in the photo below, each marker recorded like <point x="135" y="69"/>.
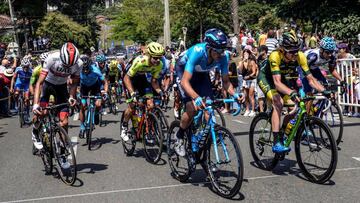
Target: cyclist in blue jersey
<point x="193" y="71"/>
<point x="91" y="82"/>
<point x="22" y="79"/>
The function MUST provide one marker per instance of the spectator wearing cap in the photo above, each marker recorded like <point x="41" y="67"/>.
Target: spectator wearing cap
<point x="5" y="81"/>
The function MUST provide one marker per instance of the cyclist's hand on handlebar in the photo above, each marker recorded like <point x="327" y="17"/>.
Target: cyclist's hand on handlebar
<point x="327" y="93"/>
<point x="239" y="97"/>
<point x="135" y="96"/>
<point x="72" y="101"/>
<point x="36" y="109"/>
<point x="198" y="103"/>
<point x="294" y="96"/>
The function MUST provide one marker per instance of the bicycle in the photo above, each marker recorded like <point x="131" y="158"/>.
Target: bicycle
<point x="304" y="134"/>
<point x="112" y="100"/>
<point x="146" y="127"/>
<point x="23" y="111"/>
<point x="56" y="145"/>
<point x="90" y="118"/>
<point x="206" y="135"/>
<point x="329" y="111"/>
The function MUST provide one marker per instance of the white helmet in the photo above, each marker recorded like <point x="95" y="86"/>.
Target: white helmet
<point x="43" y="56"/>
<point x="69" y="54"/>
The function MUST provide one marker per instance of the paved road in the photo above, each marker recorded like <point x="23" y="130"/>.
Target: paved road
<point x="107" y="175"/>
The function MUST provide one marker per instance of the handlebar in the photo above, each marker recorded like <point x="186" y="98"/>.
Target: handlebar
<point x="209" y="103"/>
<point x="91" y="97"/>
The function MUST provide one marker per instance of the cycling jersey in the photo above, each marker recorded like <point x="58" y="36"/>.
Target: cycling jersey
<point x="195" y="59"/>
<point x="93" y="77"/>
<point x="276" y="65"/>
<point x="114" y="70"/>
<point x="315" y="60"/>
<point x="56" y="73"/>
<point x="35" y="75"/>
<point x="23" y="77"/>
<point x="141" y="65"/>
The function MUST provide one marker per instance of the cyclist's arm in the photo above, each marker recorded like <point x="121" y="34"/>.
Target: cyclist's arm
<point x="302" y="60"/>
<point x="227" y="84"/>
<point x="332" y="68"/>
<point x="38" y="85"/>
<point x="155" y="84"/>
<point x="73" y="86"/>
<point x="314" y="83"/>
<point x="185" y="84"/>
<point x="280" y="86"/>
<point x="13" y="81"/>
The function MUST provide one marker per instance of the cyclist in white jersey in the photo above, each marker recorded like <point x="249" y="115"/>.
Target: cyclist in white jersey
<point x="53" y="79"/>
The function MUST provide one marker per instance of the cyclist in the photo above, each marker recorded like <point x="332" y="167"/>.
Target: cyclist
<point x="22" y="77"/>
<point x="136" y="82"/>
<point x="36" y="72"/>
<point x="114" y="73"/>
<point x="91" y="81"/>
<point x="277" y="79"/>
<point x="102" y="65"/>
<point x="320" y="57"/>
<point x="193" y="70"/>
<point x="53" y="79"/>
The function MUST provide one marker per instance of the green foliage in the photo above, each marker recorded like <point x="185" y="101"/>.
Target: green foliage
<point x="251" y="12"/>
<point x="60" y="28"/>
<point x="4" y="7"/>
<point x="344" y="28"/>
<point x="7" y="38"/>
<point x="138" y="20"/>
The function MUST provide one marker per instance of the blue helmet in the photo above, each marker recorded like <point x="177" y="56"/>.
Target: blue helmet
<point x="216" y="38"/>
<point x="100" y="58"/>
<point x="328" y="43"/>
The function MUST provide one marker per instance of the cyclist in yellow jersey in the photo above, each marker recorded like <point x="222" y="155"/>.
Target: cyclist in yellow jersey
<point x="277" y="79"/>
<point x="36" y="72"/>
<point x="136" y="82"/>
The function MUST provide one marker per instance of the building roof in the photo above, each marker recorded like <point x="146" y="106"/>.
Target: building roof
<point x="5" y="21"/>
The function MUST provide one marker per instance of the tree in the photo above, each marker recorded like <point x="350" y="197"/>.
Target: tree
<point x="60" y="28"/>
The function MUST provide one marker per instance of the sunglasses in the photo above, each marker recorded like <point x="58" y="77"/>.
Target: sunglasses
<point x="328" y="52"/>
<point x="293" y="52"/>
<point x="219" y="51"/>
<point x="156" y="58"/>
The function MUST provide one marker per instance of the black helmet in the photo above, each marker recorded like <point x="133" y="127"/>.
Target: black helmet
<point x="290" y="42"/>
<point x="216" y="38"/>
<point x="86" y="62"/>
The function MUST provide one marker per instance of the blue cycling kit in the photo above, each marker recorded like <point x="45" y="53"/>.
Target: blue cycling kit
<point x="22" y="78"/>
<point x="92" y="77"/>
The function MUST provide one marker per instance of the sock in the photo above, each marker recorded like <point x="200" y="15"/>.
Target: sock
<point x="180" y="133"/>
<point x="276" y="137"/>
<point x="82" y="126"/>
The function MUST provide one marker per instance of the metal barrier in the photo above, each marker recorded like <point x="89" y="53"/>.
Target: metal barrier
<point x="349" y="69"/>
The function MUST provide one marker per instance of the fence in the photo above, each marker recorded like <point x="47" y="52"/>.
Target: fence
<point x="349" y="69"/>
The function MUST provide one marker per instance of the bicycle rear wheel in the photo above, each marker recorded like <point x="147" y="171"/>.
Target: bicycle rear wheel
<point x="152" y="138"/>
<point x="180" y="167"/>
<point x="226" y="174"/>
<point x="64" y="152"/>
<point x="261" y="141"/>
<point x="21" y="112"/>
<point x="316" y="150"/>
<point x="334" y="118"/>
<point x="129" y="146"/>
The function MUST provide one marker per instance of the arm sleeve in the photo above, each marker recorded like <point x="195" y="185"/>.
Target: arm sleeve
<point x="193" y="59"/>
<point x="134" y="67"/>
<point x="274" y="60"/>
<point x="311" y="59"/>
<point x="224" y="64"/>
<point x="303" y="63"/>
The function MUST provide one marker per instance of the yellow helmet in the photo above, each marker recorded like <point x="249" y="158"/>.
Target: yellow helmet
<point x="113" y="64"/>
<point x="155" y="49"/>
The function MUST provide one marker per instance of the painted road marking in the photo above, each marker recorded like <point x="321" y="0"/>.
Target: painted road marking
<point x="356" y="158"/>
<point x="150" y="188"/>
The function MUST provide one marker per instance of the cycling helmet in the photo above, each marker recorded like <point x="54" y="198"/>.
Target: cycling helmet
<point x="25" y="62"/>
<point x="155" y="49"/>
<point x="216" y="38"/>
<point x="290" y="42"/>
<point x="43" y="56"/>
<point x="113" y="64"/>
<point x="328" y="43"/>
<point x="69" y="54"/>
<point x="86" y="61"/>
<point x="100" y="58"/>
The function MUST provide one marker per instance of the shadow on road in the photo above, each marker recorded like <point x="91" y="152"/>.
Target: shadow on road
<point x="90" y="168"/>
<point x="3" y="133"/>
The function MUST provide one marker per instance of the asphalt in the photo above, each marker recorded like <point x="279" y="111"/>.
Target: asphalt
<point x="108" y="175"/>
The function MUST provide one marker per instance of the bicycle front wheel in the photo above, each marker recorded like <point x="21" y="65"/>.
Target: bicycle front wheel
<point x="129" y="145"/>
<point x="316" y="150"/>
<point x="64" y="155"/>
<point x="219" y="117"/>
<point x="46" y="152"/>
<point x="226" y="171"/>
<point x="152" y="138"/>
<point x="90" y="127"/>
<point x="261" y="141"/>
<point x="21" y="112"/>
<point x="334" y="118"/>
<point x="163" y="121"/>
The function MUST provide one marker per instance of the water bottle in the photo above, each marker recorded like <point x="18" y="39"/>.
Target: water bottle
<point x="289" y="126"/>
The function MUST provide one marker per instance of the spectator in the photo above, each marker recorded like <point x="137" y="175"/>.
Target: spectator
<point x="244" y="41"/>
<point x="234" y="42"/>
<point x="39" y="43"/>
<point x="271" y="42"/>
<point x="5" y="79"/>
<point x="249" y="70"/>
<point x="2" y="50"/>
<point x="313" y="41"/>
<point x="35" y="44"/>
<point x="262" y="38"/>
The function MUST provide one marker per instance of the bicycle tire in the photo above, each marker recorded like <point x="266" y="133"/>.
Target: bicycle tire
<point x="269" y="160"/>
<point x="46" y="152"/>
<point x="222" y="118"/>
<point x="163" y="121"/>
<point x="229" y="191"/>
<point x="173" y="158"/>
<point x="328" y="144"/>
<point x="90" y="128"/>
<point x="21" y="112"/>
<point x="113" y="104"/>
<point x="155" y="138"/>
<point x="68" y="176"/>
<point x="340" y="125"/>
<point x="128" y="146"/>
